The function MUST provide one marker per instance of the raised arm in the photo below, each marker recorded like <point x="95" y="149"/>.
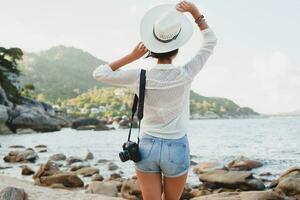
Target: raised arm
<point x="209" y="40"/>
<point x="112" y="74"/>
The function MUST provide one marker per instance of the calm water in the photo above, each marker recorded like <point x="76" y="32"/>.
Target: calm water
<point x="274" y="141"/>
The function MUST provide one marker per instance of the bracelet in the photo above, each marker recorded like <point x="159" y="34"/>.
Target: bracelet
<point x="199" y="19"/>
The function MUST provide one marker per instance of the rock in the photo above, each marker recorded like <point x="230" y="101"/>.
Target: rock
<point x="3" y="98"/>
<point x="112" y="166"/>
<point x="17" y="146"/>
<point x="131" y="190"/>
<point x="252" y="195"/>
<point x="117" y="119"/>
<point x="12" y="193"/>
<point x="5" y="167"/>
<point x="265" y="174"/>
<point x="97" y="177"/>
<point x="40" y="146"/>
<point x="42" y="150"/>
<point x="243" y="163"/>
<point x="35" y="118"/>
<point x="114" y="176"/>
<point x="66" y="180"/>
<point x="109" y="188"/>
<point x="89" y="156"/>
<point x="86" y="127"/>
<point x="124" y="123"/>
<point x="125" y="117"/>
<point x="24" y="131"/>
<point x="73" y="159"/>
<point x="58" y="157"/>
<point x="3" y="117"/>
<point x="48" y="169"/>
<point x="49" y="174"/>
<point x="78" y="165"/>
<point x="288" y="183"/>
<point x="103" y="127"/>
<point x="102" y="161"/>
<point x="85" y="123"/>
<point x="28" y="155"/>
<point x="242" y="180"/>
<point x="26" y="170"/>
<point x="206" y="166"/>
<point x="87" y="171"/>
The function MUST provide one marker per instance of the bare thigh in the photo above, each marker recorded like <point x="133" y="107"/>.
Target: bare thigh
<point x="173" y="187"/>
<point x="150" y="184"/>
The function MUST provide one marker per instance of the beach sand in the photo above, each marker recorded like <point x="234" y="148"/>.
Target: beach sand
<point x="42" y="193"/>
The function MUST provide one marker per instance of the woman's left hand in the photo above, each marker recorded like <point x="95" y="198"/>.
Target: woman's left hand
<point x="139" y="51"/>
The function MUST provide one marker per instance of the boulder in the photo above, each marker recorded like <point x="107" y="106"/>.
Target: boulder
<point x="85" y="122"/>
<point x="97" y="177"/>
<point x="109" y="188"/>
<point x="28" y="155"/>
<point x="65" y="180"/>
<point x="58" y="157"/>
<point x="206" y="166"/>
<point x="114" y="176"/>
<point x="40" y="146"/>
<point x="251" y="195"/>
<point x="243" y="163"/>
<point x="130" y="189"/>
<point x="17" y="146"/>
<point x="242" y="180"/>
<point x="112" y="166"/>
<point x="89" y="156"/>
<point x="78" y="165"/>
<point x="3" y="118"/>
<point x="49" y="174"/>
<point x="26" y="170"/>
<point x="13" y="193"/>
<point x="73" y="159"/>
<point x="288" y="183"/>
<point x="35" y="118"/>
<point x="48" y="169"/>
<point x="87" y="171"/>
<point x="124" y="123"/>
<point x="3" y="98"/>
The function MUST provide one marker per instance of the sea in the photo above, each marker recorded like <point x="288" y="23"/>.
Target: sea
<point x="274" y="141"/>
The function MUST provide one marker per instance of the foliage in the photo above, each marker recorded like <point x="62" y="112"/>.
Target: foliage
<point x="9" y="72"/>
<point x="118" y="101"/>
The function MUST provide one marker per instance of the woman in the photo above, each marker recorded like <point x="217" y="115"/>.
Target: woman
<point x="164" y="145"/>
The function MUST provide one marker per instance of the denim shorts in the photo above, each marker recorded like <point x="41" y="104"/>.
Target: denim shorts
<point x="169" y="156"/>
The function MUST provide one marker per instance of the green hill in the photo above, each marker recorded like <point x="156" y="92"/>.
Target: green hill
<point x="60" y="72"/>
<point x="65" y="73"/>
<point x="117" y="102"/>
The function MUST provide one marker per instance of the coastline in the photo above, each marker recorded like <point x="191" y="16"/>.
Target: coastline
<point x="41" y="193"/>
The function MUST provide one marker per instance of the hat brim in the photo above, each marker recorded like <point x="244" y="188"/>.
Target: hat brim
<point x="146" y="30"/>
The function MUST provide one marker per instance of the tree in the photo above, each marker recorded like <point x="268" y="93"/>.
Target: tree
<point x="9" y="72"/>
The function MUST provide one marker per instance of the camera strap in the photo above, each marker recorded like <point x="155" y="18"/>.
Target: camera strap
<point x="138" y="103"/>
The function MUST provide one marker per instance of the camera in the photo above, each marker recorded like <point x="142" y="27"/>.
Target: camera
<point x="130" y="152"/>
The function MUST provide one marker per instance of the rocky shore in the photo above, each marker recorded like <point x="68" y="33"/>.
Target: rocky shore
<point x="77" y="175"/>
<point x="34" y="116"/>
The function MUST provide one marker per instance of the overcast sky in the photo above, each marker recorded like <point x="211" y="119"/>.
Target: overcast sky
<point x="256" y="62"/>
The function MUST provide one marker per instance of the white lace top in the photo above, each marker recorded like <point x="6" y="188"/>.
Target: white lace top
<point x="166" y="107"/>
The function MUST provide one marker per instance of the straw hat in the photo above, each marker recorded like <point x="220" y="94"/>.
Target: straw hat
<point x="164" y="29"/>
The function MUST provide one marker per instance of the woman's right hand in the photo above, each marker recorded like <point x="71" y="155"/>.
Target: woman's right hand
<point x="185" y="6"/>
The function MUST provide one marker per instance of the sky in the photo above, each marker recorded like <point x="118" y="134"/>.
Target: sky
<point x="256" y="62"/>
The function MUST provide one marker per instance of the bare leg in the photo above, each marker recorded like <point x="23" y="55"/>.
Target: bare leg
<point x="173" y="187"/>
<point x="150" y="184"/>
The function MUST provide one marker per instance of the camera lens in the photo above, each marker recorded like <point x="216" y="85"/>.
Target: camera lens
<point x="124" y="156"/>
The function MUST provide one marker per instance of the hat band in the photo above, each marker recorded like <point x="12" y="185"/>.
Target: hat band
<point x="165" y="41"/>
